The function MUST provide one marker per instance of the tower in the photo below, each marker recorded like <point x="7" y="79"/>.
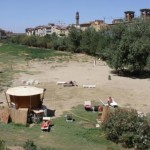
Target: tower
<point x="129" y="15"/>
<point x="145" y="13"/>
<point x="77" y="18"/>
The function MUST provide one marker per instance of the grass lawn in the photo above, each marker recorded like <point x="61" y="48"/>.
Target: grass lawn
<point x="12" y="55"/>
<point x="80" y="134"/>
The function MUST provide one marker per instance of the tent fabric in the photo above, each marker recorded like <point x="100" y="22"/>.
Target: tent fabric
<point x="24" y="91"/>
<point x="33" y="101"/>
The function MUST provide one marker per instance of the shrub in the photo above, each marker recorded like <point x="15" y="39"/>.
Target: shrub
<point x="2" y="145"/>
<point x="29" y="145"/>
<point x="126" y="127"/>
<point x="47" y="148"/>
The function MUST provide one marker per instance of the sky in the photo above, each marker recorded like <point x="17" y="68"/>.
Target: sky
<point x="17" y="15"/>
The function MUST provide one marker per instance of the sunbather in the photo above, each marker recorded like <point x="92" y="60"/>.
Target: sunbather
<point x="110" y="100"/>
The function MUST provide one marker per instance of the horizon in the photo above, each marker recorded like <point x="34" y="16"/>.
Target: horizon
<point x="18" y="15"/>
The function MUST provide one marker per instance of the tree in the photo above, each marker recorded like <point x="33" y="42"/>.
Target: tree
<point x="104" y="44"/>
<point x="74" y="39"/>
<point x="130" y="46"/>
<point x="125" y="126"/>
<point x="89" y="41"/>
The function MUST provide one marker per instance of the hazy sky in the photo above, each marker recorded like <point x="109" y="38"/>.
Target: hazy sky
<point x="16" y="15"/>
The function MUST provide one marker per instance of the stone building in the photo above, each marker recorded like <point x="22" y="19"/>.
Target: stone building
<point x="129" y="15"/>
<point x="145" y="13"/>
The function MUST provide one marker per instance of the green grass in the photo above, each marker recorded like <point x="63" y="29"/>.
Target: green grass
<point x="80" y="134"/>
<point x="11" y="55"/>
<point x="20" y="51"/>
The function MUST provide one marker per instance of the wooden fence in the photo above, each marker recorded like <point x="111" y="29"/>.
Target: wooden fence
<point x="19" y="116"/>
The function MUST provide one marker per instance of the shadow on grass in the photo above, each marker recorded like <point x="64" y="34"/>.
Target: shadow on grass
<point x="51" y="112"/>
<point x="145" y="74"/>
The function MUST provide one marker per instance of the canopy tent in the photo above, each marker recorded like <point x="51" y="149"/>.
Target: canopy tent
<point x="24" y="91"/>
<point x="25" y="96"/>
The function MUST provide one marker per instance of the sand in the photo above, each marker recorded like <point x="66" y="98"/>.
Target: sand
<point x="127" y="92"/>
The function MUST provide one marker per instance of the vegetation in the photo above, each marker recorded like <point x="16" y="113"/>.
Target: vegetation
<point x="130" y="46"/>
<point x="2" y="145"/>
<point x="24" y="52"/>
<point x="128" y="128"/>
<point x="80" y="134"/>
<point x="13" y="55"/>
<point x="29" y="145"/>
<point x="123" y="46"/>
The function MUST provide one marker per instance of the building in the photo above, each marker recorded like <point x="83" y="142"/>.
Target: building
<point x="49" y="29"/>
<point x="77" y="18"/>
<point x="96" y="24"/>
<point x="3" y="34"/>
<point x="29" y="31"/>
<point x="145" y="13"/>
<point x="60" y="30"/>
<point x="129" y="15"/>
<point x="116" y="21"/>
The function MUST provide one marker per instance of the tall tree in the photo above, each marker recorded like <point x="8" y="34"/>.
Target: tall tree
<point x="74" y="39"/>
<point x="130" y="48"/>
<point x="89" y="41"/>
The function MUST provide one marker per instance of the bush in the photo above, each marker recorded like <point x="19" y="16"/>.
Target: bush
<point x="2" y="145"/>
<point x="47" y="148"/>
<point x="29" y="145"/>
<point x="126" y="127"/>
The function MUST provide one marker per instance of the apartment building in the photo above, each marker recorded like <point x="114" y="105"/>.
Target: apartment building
<point x="29" y="31"/>
<point x="49" y="29"/>
<point x="3" y="34"/>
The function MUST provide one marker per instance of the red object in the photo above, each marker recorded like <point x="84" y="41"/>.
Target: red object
<point x="45" y="124"/>
<point x="88" y="106"/>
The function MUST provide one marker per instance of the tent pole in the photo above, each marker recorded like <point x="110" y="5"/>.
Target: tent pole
<point x="43" y="95"/>
<point x="30" y="101"/>
<point x="7" y="99"/>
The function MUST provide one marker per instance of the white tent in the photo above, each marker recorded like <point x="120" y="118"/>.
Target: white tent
<point x="24" y="91"/>
<point x="25" y="96"/>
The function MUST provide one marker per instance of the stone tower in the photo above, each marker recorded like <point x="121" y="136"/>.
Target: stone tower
<point x="77" y="18"/>
<point x="129" y="15"/>
<point x="145" y="13"/>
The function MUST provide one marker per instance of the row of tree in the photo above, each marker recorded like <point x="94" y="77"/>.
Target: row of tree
<point x="123" y="46"/>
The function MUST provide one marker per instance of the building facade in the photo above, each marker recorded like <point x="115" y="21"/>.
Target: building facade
<point x="96" y="24"/>
<point x="3" y="34"/>
<point x="44" y="30"/>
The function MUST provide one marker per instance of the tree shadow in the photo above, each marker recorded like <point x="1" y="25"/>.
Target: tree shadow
<point x="132" y="74"/>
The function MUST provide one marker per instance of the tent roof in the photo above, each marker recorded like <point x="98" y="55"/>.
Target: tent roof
<point x="24" y="91"/>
